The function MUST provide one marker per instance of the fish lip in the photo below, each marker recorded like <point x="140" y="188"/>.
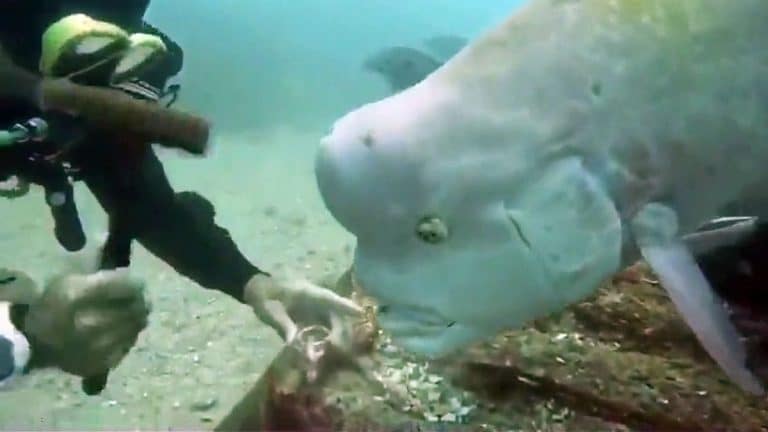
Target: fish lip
<point x="415" y="315"/>
<point x="415" y="332"/>
<point x="423" y="345"/>
<point x="414" y="327"/>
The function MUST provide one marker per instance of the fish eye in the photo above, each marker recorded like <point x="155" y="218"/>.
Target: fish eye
<point x="432" y="230"/>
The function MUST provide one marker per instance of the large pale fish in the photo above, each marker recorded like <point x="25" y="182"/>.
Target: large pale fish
<point x="554" y="150"/>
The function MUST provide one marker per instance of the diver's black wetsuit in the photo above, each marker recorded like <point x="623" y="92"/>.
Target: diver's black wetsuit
<point x="132" y="187"/>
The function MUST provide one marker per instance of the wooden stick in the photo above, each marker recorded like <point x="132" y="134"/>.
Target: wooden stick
<point x="112" y="109"/>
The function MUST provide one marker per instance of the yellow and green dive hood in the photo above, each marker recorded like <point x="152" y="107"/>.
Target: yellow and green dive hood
<point x="79" y="45"/>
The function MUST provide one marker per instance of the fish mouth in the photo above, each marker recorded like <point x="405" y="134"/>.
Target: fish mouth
<point x="422" y="333"/>
<point x="420" y="340"/>
<point x="407" y="320"/>
<point x="431" y="341"/>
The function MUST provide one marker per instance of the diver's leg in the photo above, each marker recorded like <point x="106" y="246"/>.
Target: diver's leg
<point x="739" y="274"/>
<point x="177" y="228"/>
<point x="739" y="271"/>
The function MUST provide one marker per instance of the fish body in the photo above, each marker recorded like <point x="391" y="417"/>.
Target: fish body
<point x="566" y="143"/>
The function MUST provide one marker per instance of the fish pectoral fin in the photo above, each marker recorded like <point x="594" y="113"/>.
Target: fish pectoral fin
<point x="655" y="231"/>
<point x="708" y="240"/>
<point x="702" y="310"/>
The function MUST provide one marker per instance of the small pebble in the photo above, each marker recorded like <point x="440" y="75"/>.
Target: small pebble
<point x="270" y="211"/>
<point x="390" y="349"/>
<point x="464" y="411"/>
<point x="298" y="221"/>
<point x="203" y="405"/>
<point x="434" y="379"/>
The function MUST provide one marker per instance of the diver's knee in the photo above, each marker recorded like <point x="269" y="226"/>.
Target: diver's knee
<point x="196" y="205"/>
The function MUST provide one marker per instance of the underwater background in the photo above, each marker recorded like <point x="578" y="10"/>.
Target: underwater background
<point x="252" y="65"/>
<point x="272" y="76"/>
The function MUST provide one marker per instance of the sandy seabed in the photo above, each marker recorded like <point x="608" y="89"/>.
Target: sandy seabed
<point x="202" y="351"/>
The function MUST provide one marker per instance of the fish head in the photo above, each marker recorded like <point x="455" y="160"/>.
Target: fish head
<point x="458" y="235"/>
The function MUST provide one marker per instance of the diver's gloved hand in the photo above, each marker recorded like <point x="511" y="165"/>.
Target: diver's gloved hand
<point x="275" y="300"/>
<point x="85" y="324"/>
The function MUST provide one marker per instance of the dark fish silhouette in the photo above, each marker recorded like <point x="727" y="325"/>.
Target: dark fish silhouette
<point x="445" y="46"/>
<point x="402" y="67"/>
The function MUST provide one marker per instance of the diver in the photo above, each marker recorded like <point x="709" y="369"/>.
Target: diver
<point x="108" y="44"/>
